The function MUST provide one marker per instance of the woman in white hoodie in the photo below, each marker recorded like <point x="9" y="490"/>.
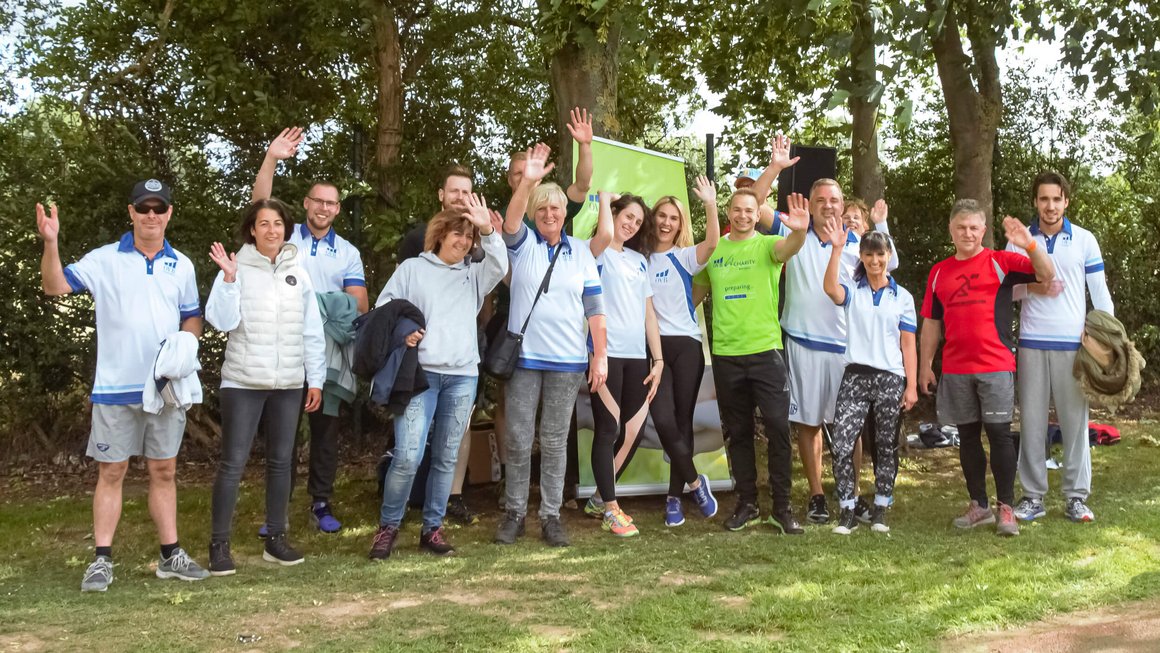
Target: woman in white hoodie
<point x="263" y="299"/>
<point x="448" y="288"/>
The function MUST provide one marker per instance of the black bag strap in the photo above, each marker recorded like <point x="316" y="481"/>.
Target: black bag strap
<point x="544" y="284"/>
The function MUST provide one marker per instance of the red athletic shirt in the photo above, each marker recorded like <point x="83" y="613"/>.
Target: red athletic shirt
<point x="972" y="298"/>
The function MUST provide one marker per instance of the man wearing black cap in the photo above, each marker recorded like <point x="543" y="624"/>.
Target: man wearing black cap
<point x="144" y="292"/>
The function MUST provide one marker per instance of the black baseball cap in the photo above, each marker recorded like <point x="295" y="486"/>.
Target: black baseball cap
<point x="150" y="189"/>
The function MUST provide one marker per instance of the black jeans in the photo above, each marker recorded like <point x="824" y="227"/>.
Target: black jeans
<point x="744" y="383"/>
<point x="674" y="404"/>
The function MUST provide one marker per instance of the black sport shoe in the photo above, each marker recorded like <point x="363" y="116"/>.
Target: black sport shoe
<point x="510" y="528"/>
<point x="878" y="519"/>
<point x="817" y="512"/>
<point x="433" y="542"/>
<point x="745" y="514"/>
<point x="458" y="511"/>
<point x="384" y="542"/>
<point x="862" y="510"/>
<point x="279" y="550"/>
<point x="552" y="532"/>
<point x="784" y="521"/>
<point x="847" y="522"/>
<point x="221" y="563"/>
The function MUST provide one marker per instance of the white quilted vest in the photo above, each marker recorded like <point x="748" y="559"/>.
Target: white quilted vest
<point x="266" y="350"/>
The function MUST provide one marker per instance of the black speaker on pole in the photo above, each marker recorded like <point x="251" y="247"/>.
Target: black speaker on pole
<point x="816" y="163"/>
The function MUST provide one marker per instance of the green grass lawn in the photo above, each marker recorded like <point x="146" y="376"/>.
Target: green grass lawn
<point x="696" y="587"/>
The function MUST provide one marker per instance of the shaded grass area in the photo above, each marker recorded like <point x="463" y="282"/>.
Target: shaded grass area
<point x="668" y="590"/>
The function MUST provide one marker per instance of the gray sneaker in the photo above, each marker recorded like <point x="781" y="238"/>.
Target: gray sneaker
<point x="98" y="575"/>
<point x="1029" y="509"/>
<point x="975" y="515"/>
<point x="1078" y="511"/>
<point x="181" y="566"/>
<point x="552" y="531"/>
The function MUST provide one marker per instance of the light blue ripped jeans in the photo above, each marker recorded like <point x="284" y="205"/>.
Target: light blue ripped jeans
<point x="448" y="401"/>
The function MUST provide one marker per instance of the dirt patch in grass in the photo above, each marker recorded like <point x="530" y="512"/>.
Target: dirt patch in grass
<point x="22" y="644"/>
<point x="1132" y="628"/>
<point x="677" y="579"/>
<point x="733" y="602"/>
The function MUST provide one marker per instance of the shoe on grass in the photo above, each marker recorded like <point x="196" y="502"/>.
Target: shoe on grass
<point x="594" y="508"/>
<point x="619" y="524"/>
<point x="435" y="543"/>
<point x="878" y="519"/>
<point x="1029" y="509"/>
<point x="384" y="542"/>
<point x="1007" y="525"/>
<point x="703" y="497"/>
<point x="1078" y="511"/>
<point x="862" y="510"/>
<point x="279" y="551"/>
<point x="674" y="512"/>
<point x="510" y="528"/>
<point x="552" y="532"/>
<point x="98" y="576"/>
<point x="817" y="512"/>
<point x="323" y="518"/>
<point x="975" y="515"/>
<point x="458" y="511"/>
<point x="181" y="566"/>
<point x="847" y="522"/>
<point x="784" y="521"/>
<point x="221" y="563"/>
<point x="744" y="515"/>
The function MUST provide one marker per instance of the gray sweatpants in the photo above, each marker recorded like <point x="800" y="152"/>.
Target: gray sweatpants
<point x="1044" y="376"/>
<point x="524" y="391"/>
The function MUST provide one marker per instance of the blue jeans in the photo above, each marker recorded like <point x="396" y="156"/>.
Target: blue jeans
<point x="448" y="402"/>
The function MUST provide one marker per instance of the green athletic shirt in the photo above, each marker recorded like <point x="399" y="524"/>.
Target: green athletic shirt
<point x="744" y="276"/>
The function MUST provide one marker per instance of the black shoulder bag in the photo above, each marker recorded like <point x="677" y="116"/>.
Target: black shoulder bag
<point x="504" y="353"/>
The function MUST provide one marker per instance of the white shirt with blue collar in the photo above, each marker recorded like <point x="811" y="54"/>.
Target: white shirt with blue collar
<point x="1056" y="323"/>
<point x="331" y="261"/>
<point x="876" y="320"/>
<point x="139" y="303"/>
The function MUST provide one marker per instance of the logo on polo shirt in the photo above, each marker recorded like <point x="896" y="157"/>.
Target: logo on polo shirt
<point x="332" y="252"/>
<point x="170" y="267"/>
<point x="291" y="280"/>
<point x="663" y="276"/>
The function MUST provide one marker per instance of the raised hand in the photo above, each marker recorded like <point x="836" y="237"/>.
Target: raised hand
<point x="580" y="126"/>
<point x="477" y="212"/>
<point x="537" y="166"/>
<point x="798" y="218"/>
<point x="1017" y="233"/>
<point x="836" y="235"/>
<point x="705" y="190"/>
<point x="286" y="144"/>
<point x="227" y="262"/>
<point x="48" y="226"/>
<point x="878" y="212"/>
<point x="496" y="219"/>
<point x="779" y="152"/>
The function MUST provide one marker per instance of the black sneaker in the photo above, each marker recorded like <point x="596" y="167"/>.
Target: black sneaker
<point x="221" y="563"/>
<point x="552" y="532"/>
<point x="878" y="519"/>
<point x="510" y="528"/>
<point x="279" y="550"/>
<point x="862" y="510"/>
<point x="745" y="514"/>
<point x="817" y="512"/>
<point x="433" y="542"/>
<point x="384" y="542"/>
<point x="847" y="522"/>
<point x="784" y="521"/>
<point x="458" y="511"/>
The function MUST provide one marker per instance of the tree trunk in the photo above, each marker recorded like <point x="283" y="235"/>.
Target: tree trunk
<point x="389" y="134"/>
<point x="973" y="114"/>
<point x="586" y="78"/>
<point x="868" y="180"/>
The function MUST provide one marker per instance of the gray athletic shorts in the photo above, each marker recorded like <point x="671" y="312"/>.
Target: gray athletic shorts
<point x="127" y="430"/>
<point x="814" y="379"/>
<point x="966" y="398"/>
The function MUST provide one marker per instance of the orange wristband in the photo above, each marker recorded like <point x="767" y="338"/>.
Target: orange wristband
<point x="1033" y="246"/>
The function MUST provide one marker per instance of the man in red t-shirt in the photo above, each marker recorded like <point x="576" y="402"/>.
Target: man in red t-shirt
<point x="970" y="295"/>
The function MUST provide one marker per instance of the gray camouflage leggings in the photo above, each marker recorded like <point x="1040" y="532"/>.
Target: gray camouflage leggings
<point x="864" y="390"/>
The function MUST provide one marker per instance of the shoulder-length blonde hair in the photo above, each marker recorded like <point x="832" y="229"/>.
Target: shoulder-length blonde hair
<point x="443" y="223"/>
<point x="544" y="195"/>
<point x="684" y="237"/>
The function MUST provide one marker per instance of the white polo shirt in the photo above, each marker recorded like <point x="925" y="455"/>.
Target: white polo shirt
<point x="624" y="281"/>
<point x="331" y="261"/>
<point x="671" y="274"/>
<point x="139" y="302"/>
<point x="1056" y="323"/>
<point x="809" y="317"/>
<point x="876" y="320"/>
<point x="555" y="339"/>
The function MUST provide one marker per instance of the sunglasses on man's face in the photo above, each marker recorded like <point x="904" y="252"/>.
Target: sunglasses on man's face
<point x="143" y="209"/>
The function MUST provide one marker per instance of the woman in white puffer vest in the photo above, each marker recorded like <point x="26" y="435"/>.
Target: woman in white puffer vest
<point x="264" y="300"/>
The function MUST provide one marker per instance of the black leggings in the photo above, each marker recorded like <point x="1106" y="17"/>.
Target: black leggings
<point x="673" y="406"/>
<point x="627" y="390"/>
<point x="1004" y="458"/>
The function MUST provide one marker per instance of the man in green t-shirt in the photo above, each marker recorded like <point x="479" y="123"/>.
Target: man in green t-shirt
<point x="748" y="369"/>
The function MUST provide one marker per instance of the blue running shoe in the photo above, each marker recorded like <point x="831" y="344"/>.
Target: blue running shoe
<point x="674" y="513"/>
<point x="703" y="495"/>
<point x="324" y="518"/>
